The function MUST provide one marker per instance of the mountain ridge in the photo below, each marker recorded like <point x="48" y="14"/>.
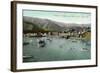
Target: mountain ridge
<point x="49" y="25"/>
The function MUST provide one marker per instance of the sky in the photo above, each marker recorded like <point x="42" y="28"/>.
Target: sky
<point x="66" y="17"/>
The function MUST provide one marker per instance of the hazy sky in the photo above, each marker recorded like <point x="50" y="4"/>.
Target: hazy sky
<point x="67" y="17"/>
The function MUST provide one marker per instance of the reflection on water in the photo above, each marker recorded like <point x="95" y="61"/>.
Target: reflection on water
<point x="36" y="49"/>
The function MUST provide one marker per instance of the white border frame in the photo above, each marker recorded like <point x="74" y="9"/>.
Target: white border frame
<point x="21" y="65"/>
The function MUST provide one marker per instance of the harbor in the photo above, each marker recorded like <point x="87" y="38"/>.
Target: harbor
<point x="40" y="49"/>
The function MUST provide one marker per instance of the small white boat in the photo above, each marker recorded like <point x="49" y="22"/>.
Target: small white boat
<point x="26" y="57"/>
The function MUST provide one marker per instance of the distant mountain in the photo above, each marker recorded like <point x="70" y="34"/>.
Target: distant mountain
<point x="40" y="24"/>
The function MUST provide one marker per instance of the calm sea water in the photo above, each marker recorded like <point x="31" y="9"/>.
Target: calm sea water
<point x="56" y="49"/>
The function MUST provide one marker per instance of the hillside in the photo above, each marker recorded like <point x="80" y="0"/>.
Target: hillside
<point x="39" y="24"/>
